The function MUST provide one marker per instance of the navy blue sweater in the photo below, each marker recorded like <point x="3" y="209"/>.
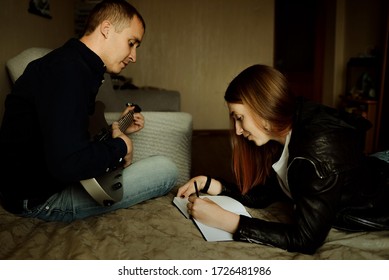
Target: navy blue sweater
<point x="44" y="140"/>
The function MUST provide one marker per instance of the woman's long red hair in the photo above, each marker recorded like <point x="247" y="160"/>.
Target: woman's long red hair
<point x="265" y="91"/>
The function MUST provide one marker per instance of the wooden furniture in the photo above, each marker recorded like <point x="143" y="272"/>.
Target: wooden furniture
<point x="367" y="109"/>
<point x="382" y="139"/>
<point x="362" y="92"/>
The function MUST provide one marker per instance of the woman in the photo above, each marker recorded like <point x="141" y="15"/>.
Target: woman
<point x="288" y="149"/>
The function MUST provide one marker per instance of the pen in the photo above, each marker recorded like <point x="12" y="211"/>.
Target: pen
<point x="197" y="190"/>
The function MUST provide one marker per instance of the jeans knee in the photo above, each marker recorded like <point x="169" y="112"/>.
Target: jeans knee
<point x="166" y="165"/>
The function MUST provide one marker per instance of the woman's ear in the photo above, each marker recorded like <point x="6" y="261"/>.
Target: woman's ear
<point x="267" y="125"/>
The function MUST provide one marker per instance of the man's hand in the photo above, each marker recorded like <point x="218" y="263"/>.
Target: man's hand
<point x="116" y="132"/>
<point x="138" y="121"/>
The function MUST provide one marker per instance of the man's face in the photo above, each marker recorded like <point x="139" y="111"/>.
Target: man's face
<point x="121" y="46"/>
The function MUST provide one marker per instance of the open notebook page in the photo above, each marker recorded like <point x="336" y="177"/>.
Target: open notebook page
<point x="211" y="233"/>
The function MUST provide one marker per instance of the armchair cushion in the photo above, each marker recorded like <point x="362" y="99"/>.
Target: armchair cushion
<point x="165" y="133"/>
<point x="147" y="99"/>
<point x="17" y="64"/>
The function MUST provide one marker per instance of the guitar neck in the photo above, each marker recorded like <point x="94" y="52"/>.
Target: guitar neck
<point x="126" y="121"/>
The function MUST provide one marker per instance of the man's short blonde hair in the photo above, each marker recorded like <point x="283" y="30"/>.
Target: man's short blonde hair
<point x="118" y="12"/>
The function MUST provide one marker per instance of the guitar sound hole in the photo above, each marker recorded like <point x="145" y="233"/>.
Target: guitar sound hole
<point x="116" y="186"/>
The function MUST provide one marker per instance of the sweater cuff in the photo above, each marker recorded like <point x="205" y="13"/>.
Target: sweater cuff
<point x="119" y="149"/>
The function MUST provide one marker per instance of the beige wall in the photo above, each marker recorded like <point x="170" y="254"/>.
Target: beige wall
<point x="198" y="46"/>
<point x="353" y="28"/>
<point x="194" y="46"/>
<point x="20" y="30"/>
<point x="365" y="26"/>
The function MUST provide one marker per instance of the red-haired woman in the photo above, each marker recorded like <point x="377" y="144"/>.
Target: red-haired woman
<point x="290" y="149"/>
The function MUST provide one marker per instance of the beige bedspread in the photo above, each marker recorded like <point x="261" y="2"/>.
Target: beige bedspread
<point x="157" y="230"/>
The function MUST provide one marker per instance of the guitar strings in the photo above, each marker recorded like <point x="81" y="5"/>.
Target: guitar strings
<point x="126" y="120"/>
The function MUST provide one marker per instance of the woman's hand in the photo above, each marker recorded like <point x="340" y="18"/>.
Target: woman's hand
<point x="186" y="190"/>
<point x="138" y="121"/>
<point x="209" y="213"/>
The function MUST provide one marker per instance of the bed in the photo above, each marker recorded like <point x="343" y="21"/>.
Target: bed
<point x="156" y="230"/>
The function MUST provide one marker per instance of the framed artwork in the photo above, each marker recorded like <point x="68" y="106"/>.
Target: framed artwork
<point x="40" y="8"/>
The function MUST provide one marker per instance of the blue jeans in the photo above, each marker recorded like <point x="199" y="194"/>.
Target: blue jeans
<point x="145" y="179"/>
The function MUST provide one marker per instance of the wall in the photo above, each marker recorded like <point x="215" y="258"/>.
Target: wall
<point x="365" y="26"/>
<point x="20" y="30"/>
<point x="194" y="46"/>
<point x="354" y="27"/>
<point x="198" y="46"/>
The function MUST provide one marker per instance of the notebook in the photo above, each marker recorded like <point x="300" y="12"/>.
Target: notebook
<point x="211" y="233"/>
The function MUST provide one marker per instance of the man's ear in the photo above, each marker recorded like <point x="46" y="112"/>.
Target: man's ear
<point x="105" y="28"/>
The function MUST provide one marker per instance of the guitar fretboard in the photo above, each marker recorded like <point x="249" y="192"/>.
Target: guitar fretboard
<point x="126" y="121"/>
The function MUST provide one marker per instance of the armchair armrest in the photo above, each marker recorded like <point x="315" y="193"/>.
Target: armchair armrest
<point x="147" y="99"/>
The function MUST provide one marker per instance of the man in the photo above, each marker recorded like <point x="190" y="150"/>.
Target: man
<point x="45" y="145"/>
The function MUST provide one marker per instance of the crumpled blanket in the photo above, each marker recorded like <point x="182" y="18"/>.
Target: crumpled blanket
<point x="156" y="229"/>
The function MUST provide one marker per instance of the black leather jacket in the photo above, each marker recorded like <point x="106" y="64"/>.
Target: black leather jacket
<point x="328" y="177"/>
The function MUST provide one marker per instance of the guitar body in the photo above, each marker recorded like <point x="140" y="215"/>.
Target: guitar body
<point x="107" y="188"/>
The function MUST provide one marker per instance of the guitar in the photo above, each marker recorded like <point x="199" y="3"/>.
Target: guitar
<point x="107" y="188"/>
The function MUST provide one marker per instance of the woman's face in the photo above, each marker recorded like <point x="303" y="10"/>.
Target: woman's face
<point x="246" y="126"/>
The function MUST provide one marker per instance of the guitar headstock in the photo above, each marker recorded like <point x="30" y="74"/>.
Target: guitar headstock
<point x="137" y="109"/>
